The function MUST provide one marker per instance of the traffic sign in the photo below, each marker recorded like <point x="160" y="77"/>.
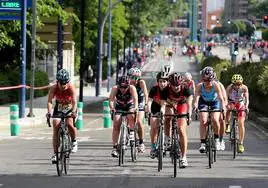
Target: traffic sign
<point x="11" y="9"/>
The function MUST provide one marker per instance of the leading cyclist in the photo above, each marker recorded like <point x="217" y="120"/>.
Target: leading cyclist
<point x="123" y="97"/>
<point x="178" y="102"/>
<point x="64" y="93"/>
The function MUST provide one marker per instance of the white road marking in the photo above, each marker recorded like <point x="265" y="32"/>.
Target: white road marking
<point x="127" y="171"/>
<point x="1" y="185"/>
<point x="235" y="186"/>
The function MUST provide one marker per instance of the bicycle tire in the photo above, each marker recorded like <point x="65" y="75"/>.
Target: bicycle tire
<point x="121" y="145"/>
<point x="175" y="151"/>
<point x="234" y="140"/>
<point x="210" y="146"/>
<point x="59" y="153"/>
<point x="67" y="152"/>
<point x="160" y="148"/>
<point x="133" y="147"/>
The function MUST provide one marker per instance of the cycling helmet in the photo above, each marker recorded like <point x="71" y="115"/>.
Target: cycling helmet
<point x="134" y="72"/>
<point x="63" y="76"/>
<point x="175" y="79"/>
<point x="237" y="78"/>
<point x="187" y="76"/>
<point x="208" y="74"/>
<point x="123" y="80"/>
<point x="162" y="75"/>
<point x="167" y="69"/>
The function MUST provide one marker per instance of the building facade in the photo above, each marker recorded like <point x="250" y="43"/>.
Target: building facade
<point x="236" y="9"/>
<point x="212" y="18"/>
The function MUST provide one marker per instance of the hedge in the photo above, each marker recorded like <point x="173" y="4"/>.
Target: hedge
<point x="12" y="78"/>
<point x="218" y="64"/>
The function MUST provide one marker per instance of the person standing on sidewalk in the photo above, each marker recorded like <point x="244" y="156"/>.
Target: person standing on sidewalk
<point x="135" y="80"/>
<point x="64" y="93"/>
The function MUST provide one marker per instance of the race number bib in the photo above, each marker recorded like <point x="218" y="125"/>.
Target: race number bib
<point x="64" y="107"/>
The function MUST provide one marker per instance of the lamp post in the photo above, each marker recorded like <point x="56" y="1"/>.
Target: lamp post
<point x="82" y="50"/>
<point x="101" y="23"/>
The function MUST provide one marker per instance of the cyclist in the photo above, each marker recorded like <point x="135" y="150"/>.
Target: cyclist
<point x="222" y="122"/>
<point x="189" y="82"/>
<point x="65" y="95"/>
<point x="178" y="100"/>
<point x="135" y="80"/>
<point x="238" y="98"/>
<point x="123" y="97"/>
<point x="208" y="94"/>
<point x="157" y="95"/>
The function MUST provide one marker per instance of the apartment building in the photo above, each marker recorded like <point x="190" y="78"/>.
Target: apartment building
<point x="236" y="9"/>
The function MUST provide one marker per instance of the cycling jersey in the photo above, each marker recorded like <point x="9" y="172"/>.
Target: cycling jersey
<point x="236" y="95"/>
<point x="124" y="101"/>
<point x="179" y="99"/>
<point x="140" y="96"/>
<point x="209" y="96"/>
<point x="190" y="85"/>
<point x="157" y="95"/>
<point x="208" y="100"/>
<point x="63" y="99"/>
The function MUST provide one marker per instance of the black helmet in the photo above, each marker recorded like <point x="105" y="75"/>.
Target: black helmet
<point x="123" y="80"/>
<point x="63" y="76"/>
<point x="175" y="79"/>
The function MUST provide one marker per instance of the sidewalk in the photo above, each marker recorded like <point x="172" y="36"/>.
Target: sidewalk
<point x="40" y="108"/>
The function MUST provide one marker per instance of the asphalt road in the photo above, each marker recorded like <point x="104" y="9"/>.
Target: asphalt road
<point x="25" y="160"/>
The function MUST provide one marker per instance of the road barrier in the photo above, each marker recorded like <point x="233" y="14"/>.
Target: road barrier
<point x="14" y="123"/>
<point x="107" y="115"/>
<point x="79" y="121"/>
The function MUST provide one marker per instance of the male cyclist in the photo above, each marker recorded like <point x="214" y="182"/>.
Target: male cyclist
<point x="64" y="93"/>
<point x="123" y="97"/>
<point x="238" y="98"/>
<point x="178" y="102"/>
<point x="157" y="95"/>
<point x="135" y="74"/>
<point x="208" y="94"/>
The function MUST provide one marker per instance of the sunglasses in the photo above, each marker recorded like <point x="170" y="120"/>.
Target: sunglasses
<point x="134" y="77"/>
<point x="123" y="87"/>
<point x="238" y="84"/>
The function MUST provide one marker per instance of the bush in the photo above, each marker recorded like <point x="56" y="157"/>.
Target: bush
<point x="12" y="78"/>
<point x="218" y="64"/>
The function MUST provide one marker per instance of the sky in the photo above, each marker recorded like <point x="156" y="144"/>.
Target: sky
<point x="215" y="4"/>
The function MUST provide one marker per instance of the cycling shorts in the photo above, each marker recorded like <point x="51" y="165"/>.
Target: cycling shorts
<point x="238" y="106"/>
<point x="124" y="107"/>
<point x="206" y="105"/>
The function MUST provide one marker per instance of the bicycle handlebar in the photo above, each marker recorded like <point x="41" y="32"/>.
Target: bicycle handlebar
<point x="60" y="115"/>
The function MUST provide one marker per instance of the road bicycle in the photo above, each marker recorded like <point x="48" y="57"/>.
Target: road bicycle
<point x="63" y="143"/>
<point x="124" y="137"/>
<point x="234" y="133"/>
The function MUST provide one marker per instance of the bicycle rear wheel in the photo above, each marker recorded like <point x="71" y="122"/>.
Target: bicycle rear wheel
<point x="59" y="154"/>
<point x="160" y="148"/>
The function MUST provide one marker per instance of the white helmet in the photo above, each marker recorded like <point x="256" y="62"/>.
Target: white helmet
<point x="187" y="76"/>
<point x="167" y="70"/>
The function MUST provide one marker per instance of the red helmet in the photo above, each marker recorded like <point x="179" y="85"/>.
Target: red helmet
<point x="175" y="79"/>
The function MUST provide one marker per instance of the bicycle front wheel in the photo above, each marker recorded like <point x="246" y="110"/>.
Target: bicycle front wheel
<point x="133" y="147"/>
<point x="122" y="144"/>
<point x="175" y="150"/>
<point x="234" y="132"/>
<point x="210" y="154"/>
<point x="59" y="154"/>
<point x="67" y="151"/>
<point x="160" y="148"/>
